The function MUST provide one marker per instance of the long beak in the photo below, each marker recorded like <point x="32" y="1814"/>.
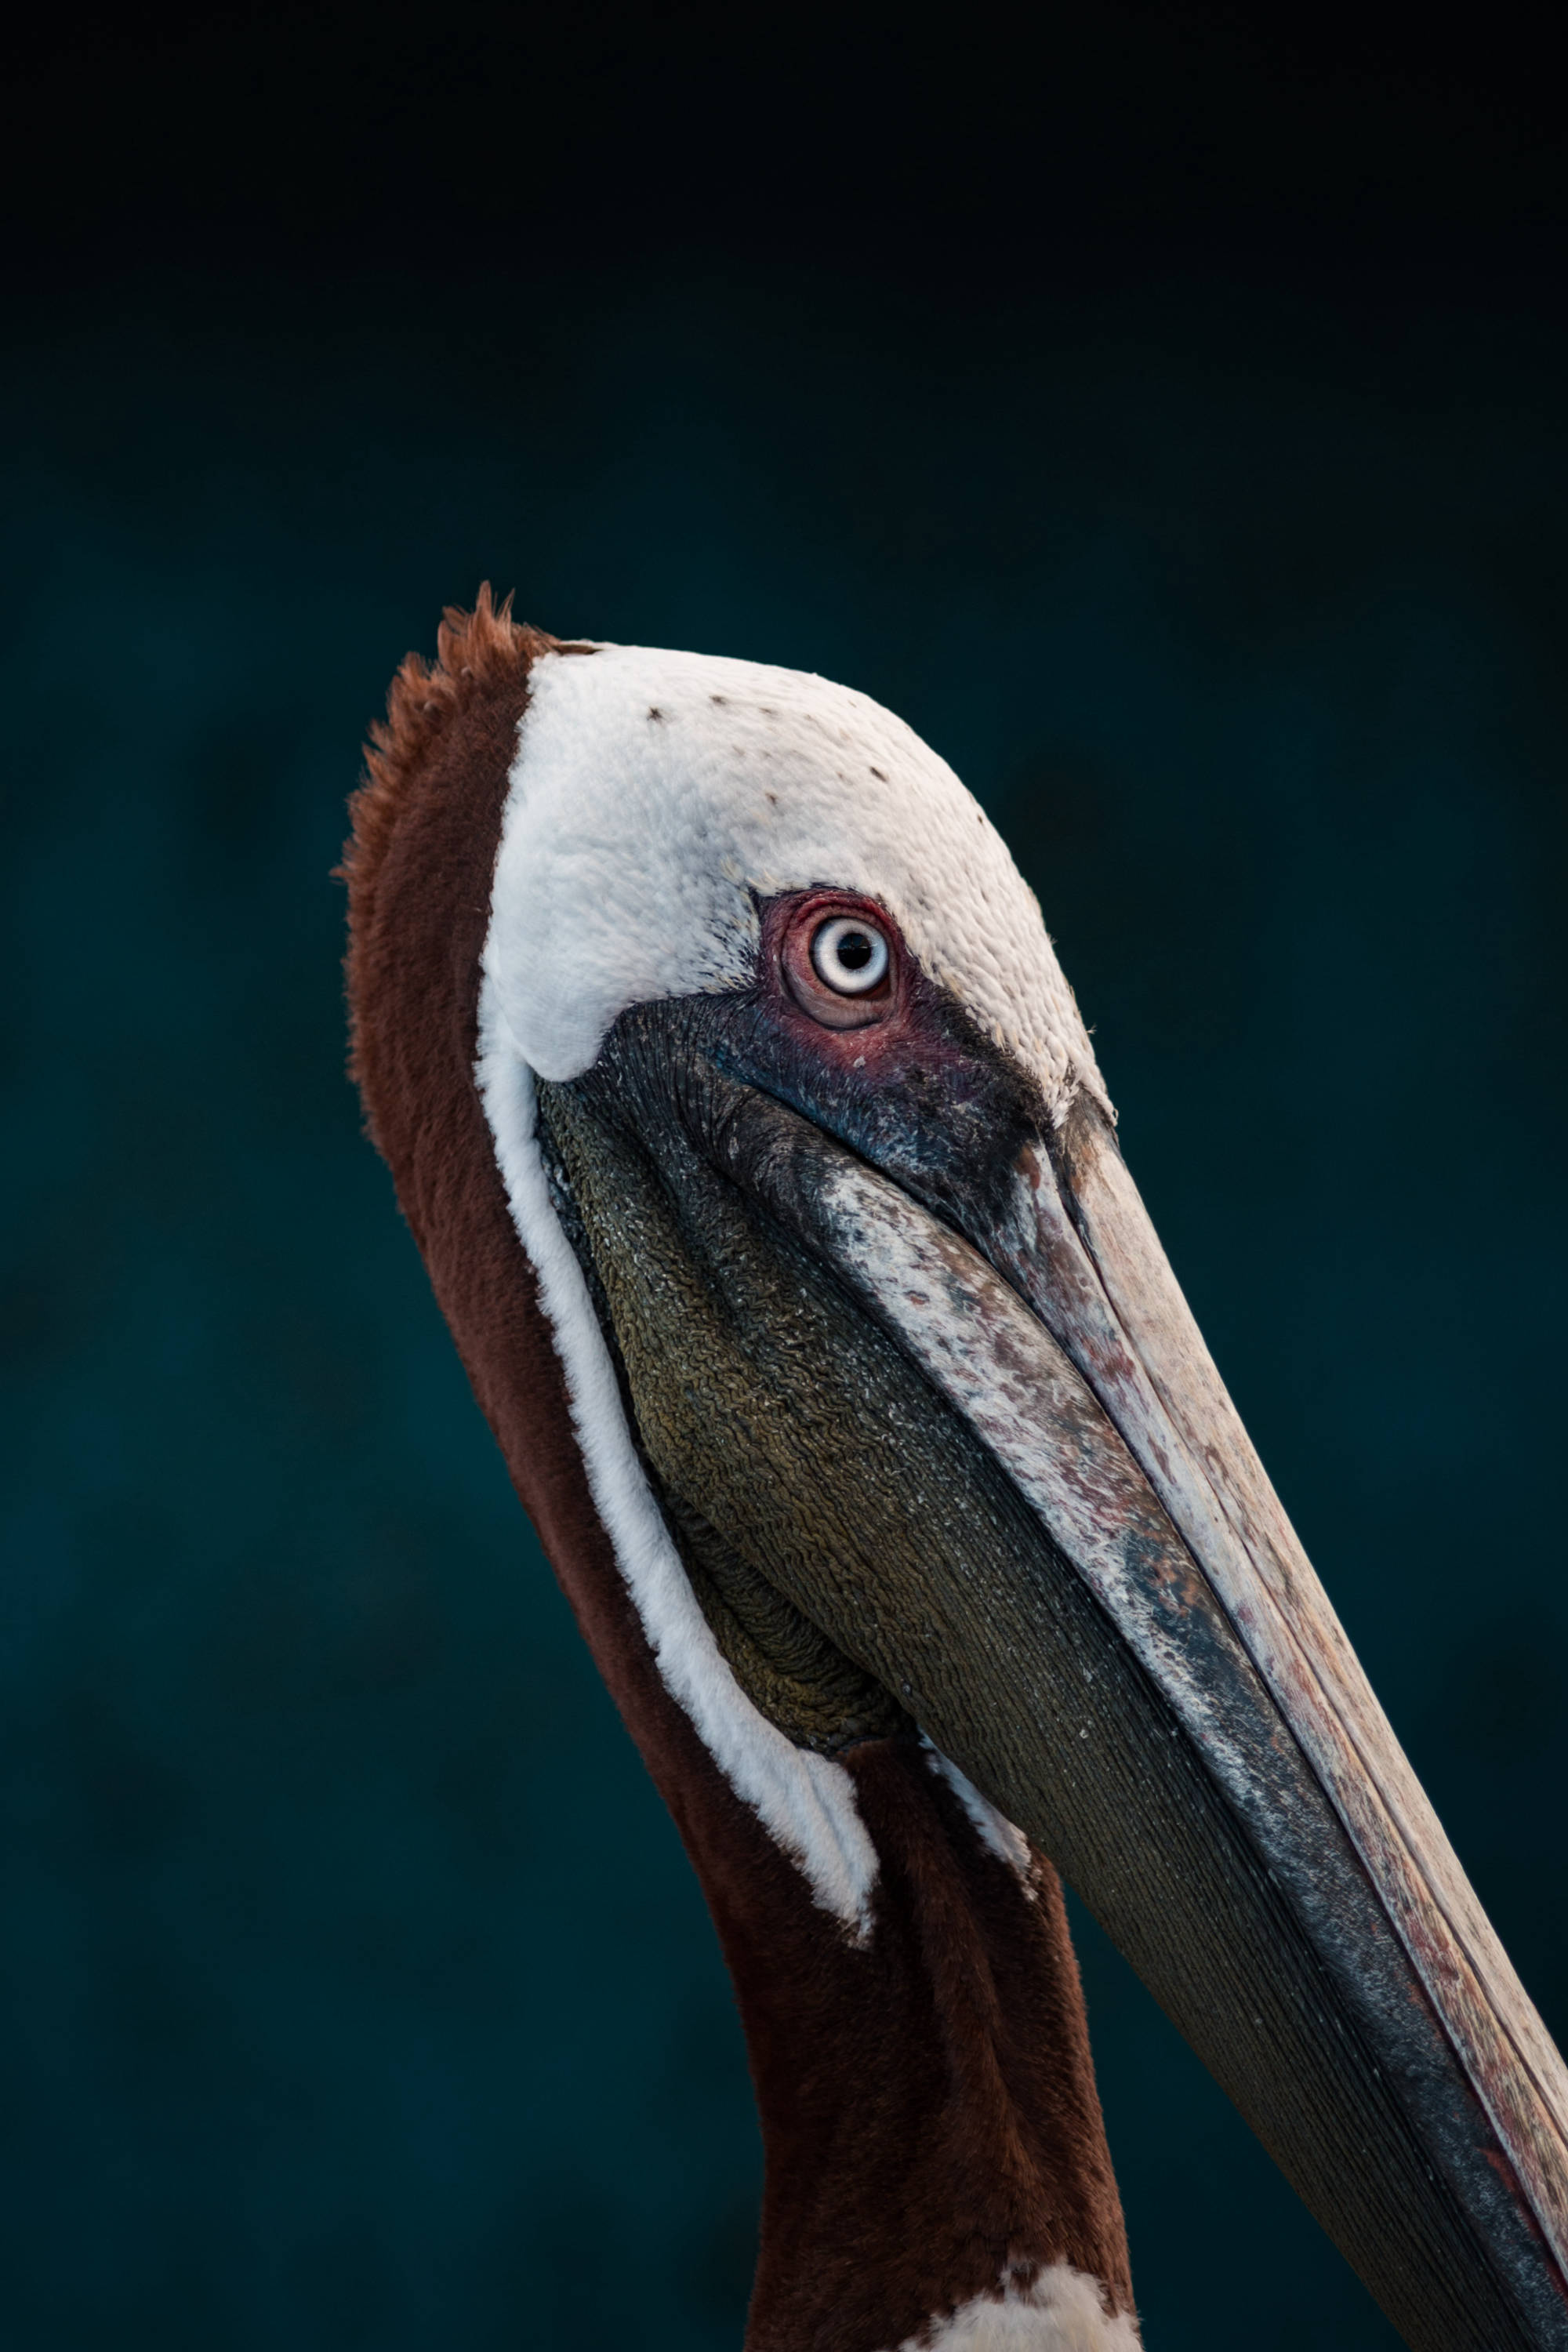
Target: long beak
<point x="1276" y="1873"/>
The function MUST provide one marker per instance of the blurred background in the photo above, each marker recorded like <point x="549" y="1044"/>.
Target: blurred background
<point x="1164" y="412"/>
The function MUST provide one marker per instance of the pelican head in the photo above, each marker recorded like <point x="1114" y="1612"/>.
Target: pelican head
<point x="767" y="1176"/>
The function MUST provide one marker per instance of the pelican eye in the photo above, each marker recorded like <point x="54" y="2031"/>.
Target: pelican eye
<point x="850" y="955"/>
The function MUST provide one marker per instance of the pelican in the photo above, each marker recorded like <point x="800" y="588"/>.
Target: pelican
<point x="764" y="1170"/>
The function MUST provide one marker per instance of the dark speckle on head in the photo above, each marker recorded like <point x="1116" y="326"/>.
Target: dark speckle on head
<point x="879" y="776"/>
<point x="716" y="697"/>
<point x="774" y="798"/>
<point x="654" y="711"/>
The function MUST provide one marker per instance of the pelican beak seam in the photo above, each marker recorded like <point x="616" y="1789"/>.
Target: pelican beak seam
<point x="1239" y="1814"/>
<point x="1072" y="1354"/>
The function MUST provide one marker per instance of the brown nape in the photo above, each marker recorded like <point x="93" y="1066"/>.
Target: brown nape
<point x="464" y="711"/>
<point x="927" y="2099"/>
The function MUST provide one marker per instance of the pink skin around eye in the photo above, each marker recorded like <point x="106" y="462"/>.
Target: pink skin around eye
<point x="789" y="926"/>
<point x="898" y="1071"/>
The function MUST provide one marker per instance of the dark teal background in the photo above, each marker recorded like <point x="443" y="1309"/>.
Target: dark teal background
<point x="354" y="1988"/>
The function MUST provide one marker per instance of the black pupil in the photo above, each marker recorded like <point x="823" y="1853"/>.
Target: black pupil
<point x="855" y="951"/>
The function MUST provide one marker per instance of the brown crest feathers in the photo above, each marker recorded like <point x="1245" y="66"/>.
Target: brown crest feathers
<point x="484" y="647"/>
<point x="441" y="716"/>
